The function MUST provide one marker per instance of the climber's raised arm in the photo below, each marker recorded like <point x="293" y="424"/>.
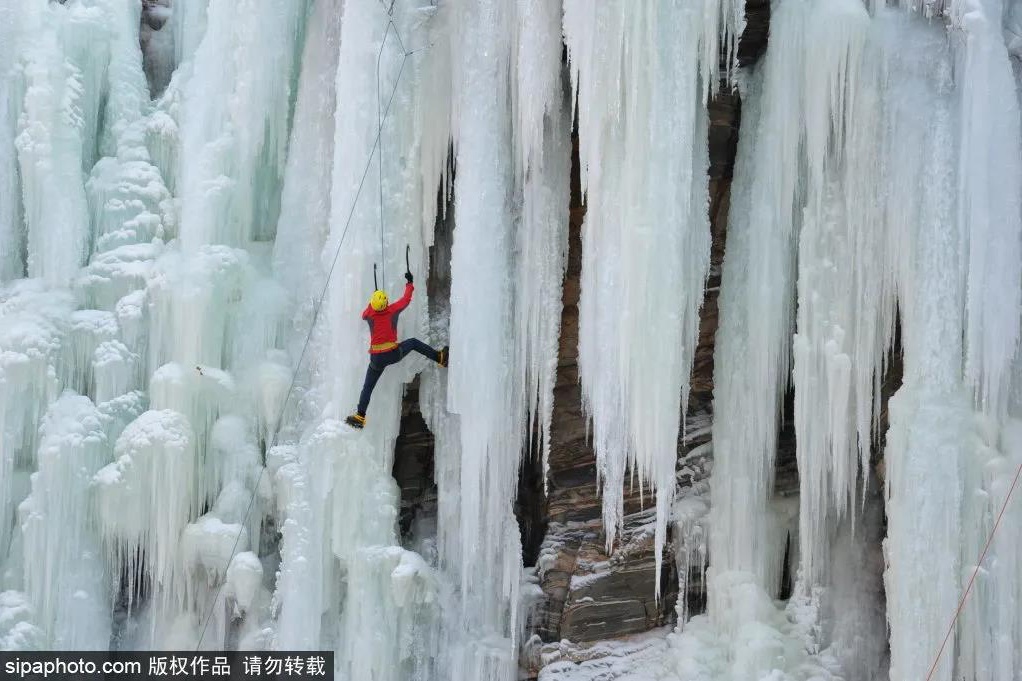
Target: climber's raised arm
<point x="403" y="301"/>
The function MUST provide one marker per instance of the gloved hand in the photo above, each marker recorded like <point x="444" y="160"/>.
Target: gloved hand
<point x="408" y="277"/>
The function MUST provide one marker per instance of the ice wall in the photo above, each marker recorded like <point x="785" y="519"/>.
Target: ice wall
<point x="861" y="139"/>
<point x="929" y="415"/>
<point x="112" y="312"/>
<point x="183" y="277"/>
<point x="989" y="202"/>
<point x="743" y="635"/>
<point x="950" y="451"/>
<point x="337" y="500"/>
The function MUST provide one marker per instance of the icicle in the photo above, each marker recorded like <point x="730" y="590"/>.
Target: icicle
<point x="723" y="25"/>
<point x="646" y="238"/>
<point x="114" y="368"/>
<point x="146" y="497"/>
<point x="542" y="136"/>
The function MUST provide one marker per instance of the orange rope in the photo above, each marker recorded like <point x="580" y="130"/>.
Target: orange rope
<point x="972" y="579"/>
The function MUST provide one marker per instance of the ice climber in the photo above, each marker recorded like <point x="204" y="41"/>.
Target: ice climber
<point x="384" y="349"/>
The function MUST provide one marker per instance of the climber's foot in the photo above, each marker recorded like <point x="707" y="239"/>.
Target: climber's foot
<point x="445" y="356"/>
<point x="356" y="421"/>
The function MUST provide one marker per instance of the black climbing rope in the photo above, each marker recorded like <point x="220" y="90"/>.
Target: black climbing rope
<point x="379" y="136"/>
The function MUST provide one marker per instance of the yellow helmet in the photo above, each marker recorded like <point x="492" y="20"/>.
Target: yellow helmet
<point x="379" y="301"/>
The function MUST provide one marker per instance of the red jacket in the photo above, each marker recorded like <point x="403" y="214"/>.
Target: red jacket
<point x="383" y="324"/>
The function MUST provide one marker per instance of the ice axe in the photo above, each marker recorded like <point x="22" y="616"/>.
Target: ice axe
<point x="376" y="284"/>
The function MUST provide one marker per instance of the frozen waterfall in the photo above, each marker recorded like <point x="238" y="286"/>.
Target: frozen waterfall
<point x="197" y="198"/>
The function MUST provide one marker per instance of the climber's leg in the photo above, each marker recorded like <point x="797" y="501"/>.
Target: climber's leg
<point x="373" y="374"/>
<point x="416" y="345"/>
<point x="379" y="362"/>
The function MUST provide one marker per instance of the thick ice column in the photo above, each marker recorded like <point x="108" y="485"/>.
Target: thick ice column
<point x="127" y="90"/>
<point x="931" y="431"/>
<point x="989" y="215"/>
<point x="305" y="200"/>
<point x="188" y="25"/>
<point x="53" y="127"/>
<point x="65" y="576"/>
<point x="646" y="241"/>
<point x="234" y="122"/>
<point x="400" y="646"/>
<point x="751" y="358"/>
<point x="482" y="633"/>
<point x="301" y="582"/>
<point x="191" y="304"/>
<point x="32" y="328"/>
<point x="12" y="233"/>
<point x="845" y="301"/>
<point x="989" y="198"/>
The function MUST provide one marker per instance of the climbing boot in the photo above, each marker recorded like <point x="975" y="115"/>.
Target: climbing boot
<point x="443" y="356"/>
<point x="356" y="421"/>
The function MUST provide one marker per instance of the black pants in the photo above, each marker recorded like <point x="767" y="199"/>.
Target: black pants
<point x="380" y="361"/>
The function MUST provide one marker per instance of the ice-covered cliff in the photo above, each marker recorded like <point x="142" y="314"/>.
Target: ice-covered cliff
<point x="196" y="196"/>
